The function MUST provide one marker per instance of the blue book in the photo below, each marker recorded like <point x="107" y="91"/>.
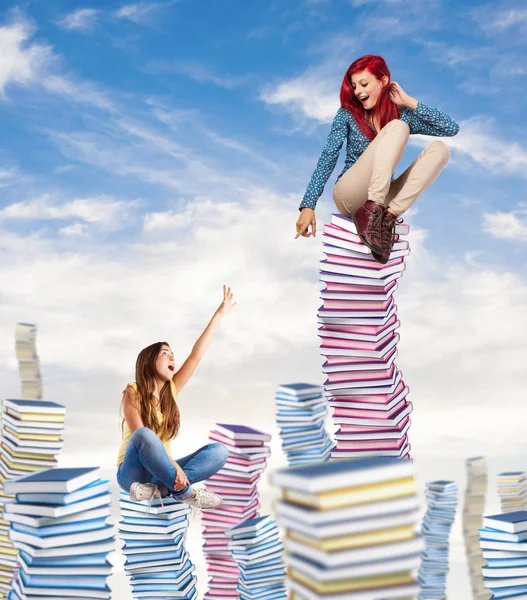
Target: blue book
<point x="300" y="388"/>
<point x="84" y="560"/>
<point x="512" y="522"/>
<point x="100" y="489"/>
<point x="57" y="480"/>
<point x="34" y="406"/>
<point x="250" y="525"/>
<point x="342" y="474"/>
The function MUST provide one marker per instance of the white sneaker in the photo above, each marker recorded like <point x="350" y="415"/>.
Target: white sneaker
<point x="139" y="492"/>
<point x="203" y="499"/>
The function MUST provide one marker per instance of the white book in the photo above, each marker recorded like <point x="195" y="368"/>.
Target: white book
<point x="97" y="513"/>
<point x="376" y="354"/>
<point x="388" y="593"/>
<point x="102" y="547"/>
<point x="56" y="541"/>
<point x="40" y="510"/>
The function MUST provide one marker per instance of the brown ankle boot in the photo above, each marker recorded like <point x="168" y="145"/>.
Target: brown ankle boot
<point x="388" y="223"/>
<point x="368" y="220"/>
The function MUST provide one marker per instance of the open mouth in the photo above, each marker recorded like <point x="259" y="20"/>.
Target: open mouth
<point x="171" y="367"/>
<point x="364" y="99"/>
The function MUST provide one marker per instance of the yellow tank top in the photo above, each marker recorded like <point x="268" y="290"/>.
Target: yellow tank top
<point x="127" y="433"/>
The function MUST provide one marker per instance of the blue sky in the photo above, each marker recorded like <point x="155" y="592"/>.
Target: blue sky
<point x="153" y="151"/>
<point x="247" y="89"/>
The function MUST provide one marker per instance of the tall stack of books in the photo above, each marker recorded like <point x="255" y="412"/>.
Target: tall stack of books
<point x="473" y="510"/>
<point x="237" y="484"/>
<point x="28" y="362"/>
<point x="503" y="540"/>
<point x="32" y="436"/>
<point x="351" y="528"/>
<point x="257" y="550"/>
<point x="60" y="526"/>
<point x="441" y="497"/>
<point x="512" y="490"/>
<point x="157" y="562"/>
<point x="301" y="411"/>
<point x="358" y="332"/>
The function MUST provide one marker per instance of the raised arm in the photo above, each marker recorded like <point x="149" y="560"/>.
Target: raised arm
<point x="189" y="366"/>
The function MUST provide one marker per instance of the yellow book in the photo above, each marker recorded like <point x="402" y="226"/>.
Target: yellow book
<point x="385" y="490"/>
<point x="49" y="418"/>
<point x="37" y="437"/>
<point x="12" y="454"/>
<point x="357" y="540"/>
<point x="356" y="584"/>
<point x="8" y="550"/>
<point x="4" y="539"/>
<point x="13" y="466"/>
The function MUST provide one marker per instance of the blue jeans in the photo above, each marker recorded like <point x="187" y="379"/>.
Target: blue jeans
<point x="146" y="460"/>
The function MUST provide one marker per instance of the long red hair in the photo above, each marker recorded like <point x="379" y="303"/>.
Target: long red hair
<point x="385" y="108"/>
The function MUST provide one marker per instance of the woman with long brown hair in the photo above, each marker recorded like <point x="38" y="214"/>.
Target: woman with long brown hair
<point x="151" y="421"/>
<point x="375" y="118"/>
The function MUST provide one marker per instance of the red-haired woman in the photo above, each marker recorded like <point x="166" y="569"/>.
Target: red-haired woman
<point x="375" y="118"/>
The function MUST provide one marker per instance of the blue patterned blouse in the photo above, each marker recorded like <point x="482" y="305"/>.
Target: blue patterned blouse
<point x="424" y="119"/>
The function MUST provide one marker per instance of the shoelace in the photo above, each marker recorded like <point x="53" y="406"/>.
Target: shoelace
<point x="376" y="226"/>
<point x="156" y="494"/>
<point x="388" y="244"/>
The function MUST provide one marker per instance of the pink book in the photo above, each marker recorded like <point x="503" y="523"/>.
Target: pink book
<point x="386" y="434"/>
<point x="355" y="344"/>
<point x="343" y="360"/>
<point x="373" y="445"/>
<point x="342" y="376"/>
<point x="359" y="262"/>
<point x="356" y="305"/>
<point x="218" y="437"/>
<point x="401" y="390"/>
<point x="243" y="461"/>
<point x="342" y="234"/>
<point x="355" y="288"/>
<point x="361" y="329"/>
<point x="237" y="491"/>
<point x="369" y="414"/>
<point x="234" y="479"/>
<point x="348" y="428"/>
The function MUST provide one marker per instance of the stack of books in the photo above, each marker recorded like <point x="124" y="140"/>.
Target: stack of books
<point x="301" y="411"/>
<point x="351" y="528"/>
<point x="512" y="490"/>
<point x="441" y="497"/>
<point x="28" y="362"/>
<point x="358" y="332"/>
<point x="237" y="484"/>
<point x="257" y="550"/>
<point x="32" y="436"/>
<point x="157" y="562"/>
<point x="473" y="510"/>
<point x="60" y="526"/>
<point x="503" y="540"/>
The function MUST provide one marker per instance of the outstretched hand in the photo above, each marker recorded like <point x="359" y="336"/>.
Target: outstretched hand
<point x="305" y="220"/>
<point x="227" y="303"/>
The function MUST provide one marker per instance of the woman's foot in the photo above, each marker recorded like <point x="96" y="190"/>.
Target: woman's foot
<point x="203" y="499"/>
<point x="139" y="492"/>
<point x="368" y="219"/>
<point x="389" y="221"/>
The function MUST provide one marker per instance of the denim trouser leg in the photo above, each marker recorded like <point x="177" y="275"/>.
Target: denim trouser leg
<point x="146" y="461"/>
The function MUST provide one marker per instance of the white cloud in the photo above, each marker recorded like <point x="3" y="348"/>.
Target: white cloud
<point x="22" y="62"/>
<point x="477" y="142"/>
<point x="74" y="230"/>
<point x="82" y="19"/>
<point x="507" y="225"/>
<point x="141" y="13"/>
<point x="313" y="95"/>
<point x="197" y="72"/>
<point x="100" y="210"/>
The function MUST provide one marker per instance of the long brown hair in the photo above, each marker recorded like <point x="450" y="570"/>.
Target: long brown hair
<point x="145" y="373"/>
<point x="385" y="108"/>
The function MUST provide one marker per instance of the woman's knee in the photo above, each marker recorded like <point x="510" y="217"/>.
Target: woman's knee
<point x="397" y="125"/>
<point x="220" y="453"/>
<point x="142" y="436"/>
<point x="440" y="149"/>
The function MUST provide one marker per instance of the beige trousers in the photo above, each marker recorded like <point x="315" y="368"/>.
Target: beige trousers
<point x="370" y="178"/>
